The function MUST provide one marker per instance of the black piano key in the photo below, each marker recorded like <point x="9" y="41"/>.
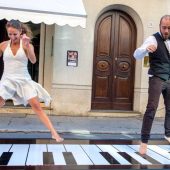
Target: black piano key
<point x="148" y="158"/>
<point x="5" y="157"/>
<point x="69" y="158"/>
<point x="128" y="158"/>
<point x="48" y="158"/>
<point x="109" y="158"/>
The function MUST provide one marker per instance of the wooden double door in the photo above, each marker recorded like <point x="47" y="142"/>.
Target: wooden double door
<point x="113" y="64"/>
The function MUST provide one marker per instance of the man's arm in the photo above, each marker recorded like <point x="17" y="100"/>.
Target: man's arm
<point x="149" y="45"/>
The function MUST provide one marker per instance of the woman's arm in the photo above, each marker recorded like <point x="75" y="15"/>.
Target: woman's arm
<point x="29" y="49"/>
<point x="3" y="46"/>
<point x="1" y="49"/>
<point x="30" y="53"/>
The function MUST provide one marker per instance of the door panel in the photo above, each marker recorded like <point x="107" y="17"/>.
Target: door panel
<point x="103" y="84"/>
<point x="103" y="61"/>
<point x="113" y="68"/>
<point x="104" y="34"/>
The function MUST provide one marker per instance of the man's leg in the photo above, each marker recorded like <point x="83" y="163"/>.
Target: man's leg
<point x="166" y="96"/>
<point x="154" y="91"/>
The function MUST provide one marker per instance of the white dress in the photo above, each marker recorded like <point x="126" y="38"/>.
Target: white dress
<point x="16" y="82"/>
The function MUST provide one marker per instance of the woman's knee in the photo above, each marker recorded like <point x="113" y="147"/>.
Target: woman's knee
<point x="35" y="104"/>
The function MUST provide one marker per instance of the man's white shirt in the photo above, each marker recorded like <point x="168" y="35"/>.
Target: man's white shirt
<point x="142" y="50"/>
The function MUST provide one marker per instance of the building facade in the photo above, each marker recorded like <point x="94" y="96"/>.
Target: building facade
<point x="107" y="78"/>
<point x="102" y="78"/>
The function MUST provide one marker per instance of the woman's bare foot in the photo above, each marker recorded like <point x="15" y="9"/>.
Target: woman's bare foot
<point x="143" y="148"/>
<point x="57" y="138"/>
<point x="2" y="102"/>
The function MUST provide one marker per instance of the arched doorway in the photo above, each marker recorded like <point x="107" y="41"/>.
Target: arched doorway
<point x="114" y="64"/>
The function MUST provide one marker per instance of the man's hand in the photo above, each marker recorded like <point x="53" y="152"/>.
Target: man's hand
<point x="151" y="48"/>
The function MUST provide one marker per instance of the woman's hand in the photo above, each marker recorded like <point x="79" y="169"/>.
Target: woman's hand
<point x="26" y="40"/>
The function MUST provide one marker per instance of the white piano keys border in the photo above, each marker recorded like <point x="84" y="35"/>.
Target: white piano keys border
<point x="83" y="154"/>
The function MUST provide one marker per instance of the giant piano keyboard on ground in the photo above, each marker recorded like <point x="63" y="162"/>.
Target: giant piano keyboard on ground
<point x="81" y="155"/>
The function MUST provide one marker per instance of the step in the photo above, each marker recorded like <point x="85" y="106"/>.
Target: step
<point x="113" y="113"/>
<point x="23" y="110"/>
<point x="49" y="111"/>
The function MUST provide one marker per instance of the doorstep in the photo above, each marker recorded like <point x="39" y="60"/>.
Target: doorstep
<point x="113" y="113"/>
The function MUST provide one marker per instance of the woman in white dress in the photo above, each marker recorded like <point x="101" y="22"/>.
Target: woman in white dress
<point x="16" y="83"/>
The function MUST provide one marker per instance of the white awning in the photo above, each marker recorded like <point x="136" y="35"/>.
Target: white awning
<point x="60" y="12"/>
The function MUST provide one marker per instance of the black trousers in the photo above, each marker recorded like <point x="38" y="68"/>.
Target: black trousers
<point x="156" y="87"/>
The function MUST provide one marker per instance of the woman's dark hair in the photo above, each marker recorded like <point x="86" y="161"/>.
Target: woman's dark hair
<point x="20" y="26"/>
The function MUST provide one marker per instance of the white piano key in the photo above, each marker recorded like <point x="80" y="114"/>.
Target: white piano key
<point x="131" y="152"/>
<point x="79" y="155"/>
<point x="93" y="152"/>
<point x="159" y="150"/>
<point x="153" y="155"/>
<point x="19" y="154"/>
<point x="165" y="147"/>
<point x="4" y="148"/>
<point x="35" y="154"/>
<point x="113" y="152"/>
<point x="57" y="151"/>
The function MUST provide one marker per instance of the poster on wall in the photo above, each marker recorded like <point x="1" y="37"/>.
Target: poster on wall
<point x="72" y="58"/>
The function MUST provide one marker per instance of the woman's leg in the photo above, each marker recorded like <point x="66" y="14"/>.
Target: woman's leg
<point x="35" y="104"/>
<point x="2" y="102"/>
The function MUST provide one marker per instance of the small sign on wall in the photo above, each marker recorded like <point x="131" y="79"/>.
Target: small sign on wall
<point x="72" y="58"/>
